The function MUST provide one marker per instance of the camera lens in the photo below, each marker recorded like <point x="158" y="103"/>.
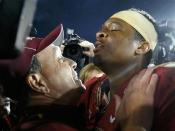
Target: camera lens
<point x="72" y="51"/>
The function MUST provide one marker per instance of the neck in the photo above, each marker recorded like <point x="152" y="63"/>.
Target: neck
<point x="120" y="75"/>
<point x="41" y="99"/>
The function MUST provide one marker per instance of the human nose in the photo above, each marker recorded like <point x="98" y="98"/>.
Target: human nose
<point x="101" y="34"/>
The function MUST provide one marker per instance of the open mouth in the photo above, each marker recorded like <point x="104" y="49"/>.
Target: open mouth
<point x="98" y="46"/>
<point x="77" y="80"/>
<point x="75" y="75"/>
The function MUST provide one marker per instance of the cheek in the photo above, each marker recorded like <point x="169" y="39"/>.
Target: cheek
<point x="64" y="75"/>
<point x="56" y="74"/>
<point x="112" y="47"/>
<point x="61" y="81"/>
<point x="109" y="49"/>
<point x="114" y="43"/>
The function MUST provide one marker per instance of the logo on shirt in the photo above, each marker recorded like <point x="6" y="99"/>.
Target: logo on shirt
<point x="111" y="119"/>
<point x="90" y="114"/>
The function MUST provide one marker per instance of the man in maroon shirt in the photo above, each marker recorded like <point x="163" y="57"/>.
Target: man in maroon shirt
<point x="124" y="47"/>
<point x="49" y="84"/>
<point x="50" y="87"/>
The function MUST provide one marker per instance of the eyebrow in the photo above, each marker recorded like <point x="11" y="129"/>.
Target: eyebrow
<point x="116" y="23"/>
<point x="111" y="22"/>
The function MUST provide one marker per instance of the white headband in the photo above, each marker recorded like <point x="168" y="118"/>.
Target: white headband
<point x="141" y="24"/>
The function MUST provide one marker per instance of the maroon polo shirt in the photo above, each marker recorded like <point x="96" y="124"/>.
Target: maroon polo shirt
<point x="164" y="104"/>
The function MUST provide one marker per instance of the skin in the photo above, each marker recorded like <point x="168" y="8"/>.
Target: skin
<point x="119" y="55"/>
<point x="57" y="82"/>
<point x="137" y="102"/>
<point x="117" y="52"/>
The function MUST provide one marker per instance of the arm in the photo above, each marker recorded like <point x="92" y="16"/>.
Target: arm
<point x="136" y="109"/>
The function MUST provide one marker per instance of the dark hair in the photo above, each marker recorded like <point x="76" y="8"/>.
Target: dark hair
<point x="35" y="66"/>
<point x="148" y="55"/>
<point x="24" y="89"/>
<point x="138" y="36"/>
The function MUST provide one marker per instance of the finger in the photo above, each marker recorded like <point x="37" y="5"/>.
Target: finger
<point x="131" y="84"/>
<point x="147" y="75"/>
<point x="153" y="82"/>
<point x="117" y="103"/>
<point x="141" y="73"/>
<point x="88" y="53"/>
<point x="136" y="81"/>
<point x="87" y="44"/>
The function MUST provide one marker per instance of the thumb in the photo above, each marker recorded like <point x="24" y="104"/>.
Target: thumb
<point x="153" y="82"/>
<point x="87" y="44"/>
<point x="117" y="103"/>
<point x="88" y="53"/>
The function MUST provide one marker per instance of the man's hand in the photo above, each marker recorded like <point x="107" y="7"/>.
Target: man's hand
<point x="90" y="46"/>
<point x="136" y="108"/>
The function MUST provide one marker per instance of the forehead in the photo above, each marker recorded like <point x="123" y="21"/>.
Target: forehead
<point x="51" y="51"/>
<point x="56" y="50"/>
<point x="116" y="21"/>
<point x="119" y="24"/>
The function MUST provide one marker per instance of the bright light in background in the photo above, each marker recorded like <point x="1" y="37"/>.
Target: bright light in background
<point x="171" y="23"/>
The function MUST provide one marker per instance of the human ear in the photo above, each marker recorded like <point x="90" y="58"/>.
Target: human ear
<point x="37" y="83"/>
<point x="142" y="48"/>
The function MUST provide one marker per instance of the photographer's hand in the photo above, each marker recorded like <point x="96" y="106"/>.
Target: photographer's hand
<point x="90" y="46"/>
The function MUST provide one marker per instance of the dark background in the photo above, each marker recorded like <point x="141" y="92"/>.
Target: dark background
<point x="86" y="16"/>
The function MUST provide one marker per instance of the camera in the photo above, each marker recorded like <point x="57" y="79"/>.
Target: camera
<point x="73" y="50"/>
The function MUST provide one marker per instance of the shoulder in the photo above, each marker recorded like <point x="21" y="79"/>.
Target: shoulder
<point x="166" y="74"/>
<point x="164" y="97"/>
<point x="165" y="70"/>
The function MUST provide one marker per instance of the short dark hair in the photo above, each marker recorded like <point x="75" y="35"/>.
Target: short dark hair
<point x="148" y="55"/>
<point x="139" y="37"/>
<point x="35" y="66"/>
<point x="25" y="90"/>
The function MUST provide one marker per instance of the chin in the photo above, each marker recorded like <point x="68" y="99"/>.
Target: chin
<point x="79" y="84"/>
<point x="98" y="62"/>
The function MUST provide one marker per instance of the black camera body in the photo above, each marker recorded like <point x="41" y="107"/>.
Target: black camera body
<point x="72" y="48"/>
<point x="74" y="51"/>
